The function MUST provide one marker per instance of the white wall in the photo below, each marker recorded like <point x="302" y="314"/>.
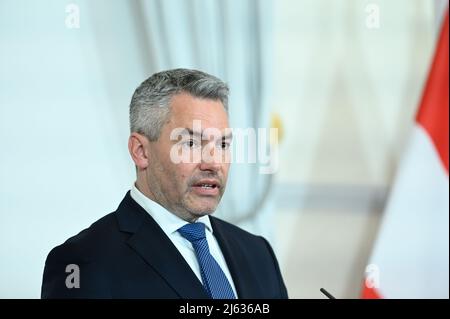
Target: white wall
<point x="64" y="158"/>
<point x="347" y="95"/>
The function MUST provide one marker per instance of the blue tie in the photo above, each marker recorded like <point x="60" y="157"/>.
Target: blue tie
<point x="214" y="280"/>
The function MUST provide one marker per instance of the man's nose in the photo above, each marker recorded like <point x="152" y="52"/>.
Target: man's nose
<point x="210" y="166"/>
<point x="211" y="160"/>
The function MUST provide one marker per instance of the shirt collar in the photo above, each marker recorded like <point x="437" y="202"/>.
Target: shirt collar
<point x="168" y="221"/>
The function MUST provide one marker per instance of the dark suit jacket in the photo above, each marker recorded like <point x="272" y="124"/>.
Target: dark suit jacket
<point x="127" y="255"/>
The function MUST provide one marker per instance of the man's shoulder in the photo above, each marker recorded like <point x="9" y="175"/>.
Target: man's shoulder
<point x="90" y="243"/>
<point x="88" y="253"/>
<point x="229" y="229"/>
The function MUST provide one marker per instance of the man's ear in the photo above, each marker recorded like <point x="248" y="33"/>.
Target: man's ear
<point x="138" y="148"/>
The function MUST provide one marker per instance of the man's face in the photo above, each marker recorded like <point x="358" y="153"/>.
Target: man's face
<point x="193" y="187"/>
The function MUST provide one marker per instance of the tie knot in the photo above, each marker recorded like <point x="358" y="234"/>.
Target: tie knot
<point x="193" y="232"/>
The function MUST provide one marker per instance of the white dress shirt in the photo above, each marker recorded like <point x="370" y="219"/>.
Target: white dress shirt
<point x="170" y="223"/>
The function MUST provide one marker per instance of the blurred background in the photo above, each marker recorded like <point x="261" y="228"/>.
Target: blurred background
<point x="341" y="79"/>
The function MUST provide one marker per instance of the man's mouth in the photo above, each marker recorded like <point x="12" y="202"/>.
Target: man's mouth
<point x="206" y="187"/>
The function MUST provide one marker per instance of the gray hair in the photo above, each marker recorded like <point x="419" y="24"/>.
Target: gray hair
<point x="150" y="104"/>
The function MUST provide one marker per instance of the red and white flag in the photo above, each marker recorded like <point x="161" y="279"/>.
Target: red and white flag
<point x="411" y="254"/>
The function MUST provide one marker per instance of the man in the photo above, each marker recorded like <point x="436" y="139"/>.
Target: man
<point x="161" y="242"/>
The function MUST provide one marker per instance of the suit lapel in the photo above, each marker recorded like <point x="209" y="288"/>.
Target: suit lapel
<point x="152" y="244"/>
<point x="237" y="261"/>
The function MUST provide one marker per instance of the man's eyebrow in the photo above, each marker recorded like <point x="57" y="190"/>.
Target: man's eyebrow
<point x="191" y="132"/>
<point x="199" y="134"/>
<point x="229" y="136"/>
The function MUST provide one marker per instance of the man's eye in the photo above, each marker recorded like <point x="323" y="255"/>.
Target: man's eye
<point x="225" y="145"/>
<point x="190" y="143"/>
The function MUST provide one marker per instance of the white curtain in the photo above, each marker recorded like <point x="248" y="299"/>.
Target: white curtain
<point x="64" y="100"/>
<point x="233" y="40"/>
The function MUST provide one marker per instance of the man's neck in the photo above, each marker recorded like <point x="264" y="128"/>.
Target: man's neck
<point x="144" y="189"/>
